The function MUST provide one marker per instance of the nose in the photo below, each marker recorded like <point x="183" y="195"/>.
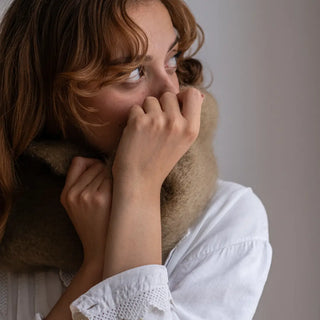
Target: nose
<point x="164" y="82"/>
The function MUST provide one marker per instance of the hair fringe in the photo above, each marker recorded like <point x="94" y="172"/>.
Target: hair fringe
<point x="53" y="52"/>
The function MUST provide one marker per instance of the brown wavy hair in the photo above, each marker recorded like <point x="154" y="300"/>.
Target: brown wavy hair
<point x="51" y="52"/>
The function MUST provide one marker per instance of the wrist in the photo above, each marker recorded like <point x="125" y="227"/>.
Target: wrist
<point x="137" y="188"/>
<point x="136" y="180"/>
<point x="93" y="266"/>
<point x="131" y="176"/>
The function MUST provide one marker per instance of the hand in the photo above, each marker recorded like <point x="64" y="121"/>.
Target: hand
<point x="157" y="135"/>
<point x="87" y="198"/>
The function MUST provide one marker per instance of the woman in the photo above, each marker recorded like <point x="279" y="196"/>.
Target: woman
<point x="100" y="111"/>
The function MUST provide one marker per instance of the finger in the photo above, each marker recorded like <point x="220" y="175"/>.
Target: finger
<point x="135" y="111"/>
<point x="151" y="105"/>
<point x="191" y="100"/>
<point x="96" y="182"/>
<point x="87" y="177"/>
<point x="77" y="167"/>
<point x="170" y="104"/>
<point x="105" y="186"/>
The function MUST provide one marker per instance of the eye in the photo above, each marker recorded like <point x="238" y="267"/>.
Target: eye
<point x="172" y="63"/>
<point x="135" y="75"/>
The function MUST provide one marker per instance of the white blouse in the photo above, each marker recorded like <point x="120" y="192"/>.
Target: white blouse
<point x="217" y="271"/>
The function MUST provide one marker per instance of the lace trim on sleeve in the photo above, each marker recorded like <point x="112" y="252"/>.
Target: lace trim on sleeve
<point x="126" y="296"/>
<point x="66" y="277"/>
<point x="134" y="308"/>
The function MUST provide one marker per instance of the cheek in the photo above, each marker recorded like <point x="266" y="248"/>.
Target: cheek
<point x="115" y="107"/>
<point x="120" y="103"/>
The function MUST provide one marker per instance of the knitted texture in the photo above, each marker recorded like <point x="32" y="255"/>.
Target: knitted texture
<point x="39" y="233"/>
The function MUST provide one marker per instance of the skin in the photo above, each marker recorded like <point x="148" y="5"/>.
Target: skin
<point x="151" y="125"/>
<point x="115" y="101"/>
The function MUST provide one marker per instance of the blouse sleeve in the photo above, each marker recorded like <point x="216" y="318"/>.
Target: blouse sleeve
<point x="224" y="284"/>
<point x="129" y="295"/>
<point x="221" y="285"/>
<point x="217" y="273"/>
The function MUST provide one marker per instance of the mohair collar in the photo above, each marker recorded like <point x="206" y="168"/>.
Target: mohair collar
<point x="39" y="233"/>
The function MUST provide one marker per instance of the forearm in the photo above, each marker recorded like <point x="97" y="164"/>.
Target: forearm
<point x="157" y="135"/>
<point x="88" y="276"/>
<point x="134" y="234"/>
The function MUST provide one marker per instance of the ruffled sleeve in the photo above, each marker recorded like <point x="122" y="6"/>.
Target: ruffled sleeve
<point x="129" y="295"/>
<point x="222" y="285"/>
<point x="217" y="272"/>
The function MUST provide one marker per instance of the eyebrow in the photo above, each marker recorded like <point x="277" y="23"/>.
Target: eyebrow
<point x="147" y="58"/>
<point x="176" y="40"/>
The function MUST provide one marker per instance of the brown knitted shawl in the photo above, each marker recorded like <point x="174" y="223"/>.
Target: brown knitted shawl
<point x="39" y="233"/>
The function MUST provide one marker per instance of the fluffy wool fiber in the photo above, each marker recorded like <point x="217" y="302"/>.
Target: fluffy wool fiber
<point x="39" y="233"/>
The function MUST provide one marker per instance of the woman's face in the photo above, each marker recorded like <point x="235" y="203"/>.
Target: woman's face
<point x="158" y="75"/>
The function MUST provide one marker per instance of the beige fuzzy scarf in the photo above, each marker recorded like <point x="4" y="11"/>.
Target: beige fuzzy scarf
<point x="39" y="233"/>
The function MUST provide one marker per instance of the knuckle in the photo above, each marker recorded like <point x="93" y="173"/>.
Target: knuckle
<point x="138" y="123"/>
<point x="85" y="196"/>
<point x="157" y="123"/>
<point x="174" y="126"/>
<point x="70" y="197"/>
<point x="99" y="199"/>
<point x="191" y="133"/>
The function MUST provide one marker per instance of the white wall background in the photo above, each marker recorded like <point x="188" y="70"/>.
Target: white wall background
<point x="3" y="5"/>
<point x="264" y="56"/>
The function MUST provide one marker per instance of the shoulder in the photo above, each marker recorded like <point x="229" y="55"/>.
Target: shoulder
<point x="235" y="213"/>
<point x="234" y="217"/>
<point x="226" y="254"/>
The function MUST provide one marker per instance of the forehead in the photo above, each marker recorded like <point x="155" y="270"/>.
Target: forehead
<point x="155" y="21"/>
<point x="153" y="18"/>
<point x="157" y="36"/>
